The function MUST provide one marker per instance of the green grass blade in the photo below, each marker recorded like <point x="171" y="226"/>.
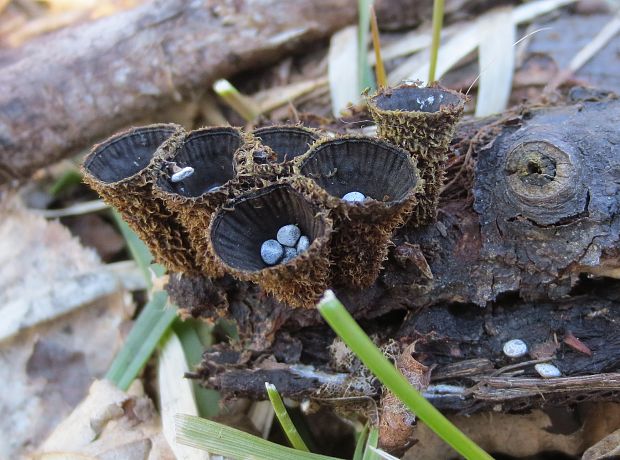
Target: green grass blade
<point x="284" y="419"/>
<point x="438" y="7"/>
<point x="148" y="329"/>
<point x="356" y="339"/>
<point x="207" y="400"/>
<point x="373" y="441"/>
<point x="220" y="439"/>
<point x="137" y="248"/>
<point x="360" y="444"/>
<point x="68" y="179"/>
<point x="364" y="78"/>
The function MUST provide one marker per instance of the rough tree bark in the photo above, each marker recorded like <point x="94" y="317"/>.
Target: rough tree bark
<point x="520" y="259"/>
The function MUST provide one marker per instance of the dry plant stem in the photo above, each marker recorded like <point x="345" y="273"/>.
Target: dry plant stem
<point x="376" y="43"/>
<point x="135" y="62"/>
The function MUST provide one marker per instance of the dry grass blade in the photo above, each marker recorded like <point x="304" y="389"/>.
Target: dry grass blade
<point x="176" y="395"/>
<point x="466" y="40"/>
<point x="211" y="112"/>
<point x="455" y="49"/>
<point x="261" y="415"/>
<point x="529" y="11"/>
<point x="279" y="96"/>
<point x="240" y="103"/>
<point x="376" y="43"/>
<point x="215" y="437"/>
<point x="496" y="63"/>
<point x="413" y="41"/>
<point x="602" y="38"/>
<point x="342" y="69"/>
<point x="77" y="209"/>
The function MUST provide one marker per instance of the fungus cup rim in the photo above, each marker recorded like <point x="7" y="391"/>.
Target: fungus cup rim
<point x="457" y="106"/>
<point x="305" y="256"/>
<point x="335" y="201"/>
<point x="99" y="149"/>
<point x="162" y="181"/>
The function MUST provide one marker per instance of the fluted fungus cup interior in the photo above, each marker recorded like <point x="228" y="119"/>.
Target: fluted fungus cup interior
<point x="209" y="152"/>
<point x="412" y="98"/>
<point x="238" y="230"/>
<point x="128" y="153"/>
<point x="287" y="142"/>
<point x="380" y="171"/>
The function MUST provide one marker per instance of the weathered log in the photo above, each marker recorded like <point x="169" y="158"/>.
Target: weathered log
<point x="532" y="256"/>
<point x="80" y="84"/>
<point x="464" y="344"/>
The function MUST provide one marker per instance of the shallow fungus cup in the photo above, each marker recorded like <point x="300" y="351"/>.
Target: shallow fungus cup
<point x="422" y="120"/>
<point x="384" y="180"/>
<point x="195" y="179"/>
<point x="121" y="170"/>
<point x="239" y="230"/>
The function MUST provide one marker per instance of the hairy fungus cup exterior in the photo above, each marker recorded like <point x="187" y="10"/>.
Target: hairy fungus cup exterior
<point x="421" y="120"/>
<point x="121" y="170"/>
<point x="239" y="229"/>
<point x="210" y="153"/>
<point x="274" y="149"/>
<point x="385" y="175"/>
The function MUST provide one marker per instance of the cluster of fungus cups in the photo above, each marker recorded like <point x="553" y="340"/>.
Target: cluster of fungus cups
<point x="422" y="120"/>
<point x="370" y="188"/>
<point x="204" y="204"/>
<point x="119" y="169"/>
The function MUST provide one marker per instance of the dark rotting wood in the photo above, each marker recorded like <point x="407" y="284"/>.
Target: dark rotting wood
<point x="498" y="267"/>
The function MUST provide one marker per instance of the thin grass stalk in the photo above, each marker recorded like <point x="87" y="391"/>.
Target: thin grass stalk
<point x="356" y="339"/>
<point x="207" y="401"/>
<point x="364" y="79"/>
<point x="360" y="445"/>
<point x="153" y="322"/>
<point x="373" y="440"/>
<point x="241" y="104"/>
<point x="376" y="44"/>
<point x="285" y="420"/>
<point x="438" y="9"/>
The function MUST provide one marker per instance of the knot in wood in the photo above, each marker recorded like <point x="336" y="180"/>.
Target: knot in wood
<point x="543" y="179"/>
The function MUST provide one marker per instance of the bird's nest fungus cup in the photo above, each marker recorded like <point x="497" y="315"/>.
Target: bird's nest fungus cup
<point x="121" y="170"/>
<point x="273" y="150"/>
<point x="421" y="120"/>
<point x="370" y="188"/>
<point x="195" y="179"/>
<point x="239" y="232"/>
